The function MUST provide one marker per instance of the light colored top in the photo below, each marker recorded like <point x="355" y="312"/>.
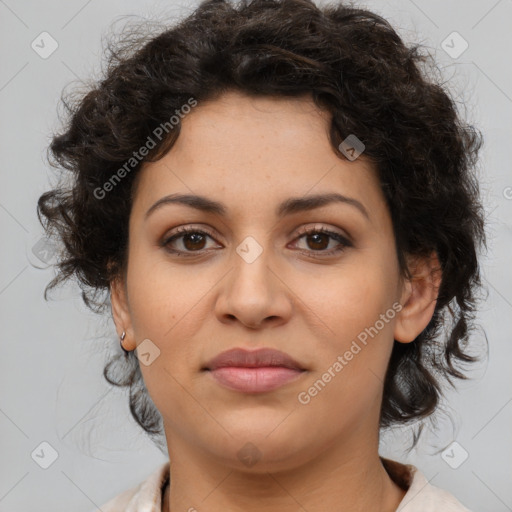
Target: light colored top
<point x="421" y="496"/>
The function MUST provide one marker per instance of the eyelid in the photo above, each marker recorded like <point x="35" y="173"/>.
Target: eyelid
<point x="183" y="230"/>
<point x="343" y="240"/>
<point x="303" y="230"/>
<point x="319" y="227"/>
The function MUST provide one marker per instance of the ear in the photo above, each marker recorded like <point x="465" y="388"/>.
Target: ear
<point x="419" y="297"/>
<point x="121" y="312"/>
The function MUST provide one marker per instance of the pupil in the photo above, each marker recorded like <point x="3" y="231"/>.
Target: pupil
<point x="194" y="238"/>
<point x="316" y="239"/>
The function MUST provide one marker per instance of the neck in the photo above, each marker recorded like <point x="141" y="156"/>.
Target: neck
<point x="340" y="479"/>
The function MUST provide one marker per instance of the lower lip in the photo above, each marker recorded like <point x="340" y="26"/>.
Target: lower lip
<point x="255" y="380"/>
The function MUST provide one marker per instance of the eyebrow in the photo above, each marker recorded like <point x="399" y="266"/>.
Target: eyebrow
<point x="287" y="207"/>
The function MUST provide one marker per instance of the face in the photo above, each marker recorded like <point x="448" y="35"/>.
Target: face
<point x="320" y="284"/>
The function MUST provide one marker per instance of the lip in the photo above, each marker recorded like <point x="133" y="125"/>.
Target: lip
<point x="263" y="357"/>
<point x="255" y="371"/>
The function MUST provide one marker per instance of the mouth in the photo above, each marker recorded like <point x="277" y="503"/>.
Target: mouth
<point x="256" y="371"/>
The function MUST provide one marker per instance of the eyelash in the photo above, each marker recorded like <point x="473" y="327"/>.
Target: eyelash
<point x="307" y="231"/>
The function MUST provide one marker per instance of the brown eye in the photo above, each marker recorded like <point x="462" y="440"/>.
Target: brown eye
<point x="318" y="240"/>
<point x="191" y="240"/>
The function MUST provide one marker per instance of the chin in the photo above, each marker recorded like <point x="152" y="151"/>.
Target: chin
<point x="264" y="446"/>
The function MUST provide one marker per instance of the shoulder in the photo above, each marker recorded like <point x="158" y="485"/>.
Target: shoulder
<point x="146" y="496"/>
<point x="421" y="496"/>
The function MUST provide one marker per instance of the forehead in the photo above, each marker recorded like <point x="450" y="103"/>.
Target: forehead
<point x="260" y="132"/>
<point x="253" y="152"/>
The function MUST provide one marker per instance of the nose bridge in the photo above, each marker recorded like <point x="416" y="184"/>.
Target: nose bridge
<point x="251" y="250"/>
<point x="252" y="293"/>
<point x="252" y="264"/>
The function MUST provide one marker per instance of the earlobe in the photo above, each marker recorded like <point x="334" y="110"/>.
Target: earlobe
<point x="120" y="313"/>
<point x="419" y="298"/>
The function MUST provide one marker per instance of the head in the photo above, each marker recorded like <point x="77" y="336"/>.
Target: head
<point x="249" y="108"/>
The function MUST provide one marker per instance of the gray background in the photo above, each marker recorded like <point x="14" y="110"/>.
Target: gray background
<point x="52" y="353"/>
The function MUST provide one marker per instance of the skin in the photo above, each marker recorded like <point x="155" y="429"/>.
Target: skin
<point x="251" y="154"/>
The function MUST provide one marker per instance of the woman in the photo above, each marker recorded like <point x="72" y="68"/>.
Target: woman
<point x="280" y="209"/>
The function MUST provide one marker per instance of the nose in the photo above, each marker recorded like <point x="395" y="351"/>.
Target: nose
<point x="254" y="293"/>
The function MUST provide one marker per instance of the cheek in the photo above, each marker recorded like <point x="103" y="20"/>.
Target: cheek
<point x="164" y="305"/>
<point x="159" y="295"/>
<point x="354" y="318"/>
<point x="163" y="309"/>
<point x="350" y="299"/>
<point x="352" y="359"/>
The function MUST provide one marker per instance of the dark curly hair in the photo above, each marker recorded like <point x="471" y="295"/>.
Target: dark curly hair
<point x="352" y="63"/>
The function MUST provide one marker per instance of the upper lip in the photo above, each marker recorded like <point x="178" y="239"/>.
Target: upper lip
<point x="252" y="359"/>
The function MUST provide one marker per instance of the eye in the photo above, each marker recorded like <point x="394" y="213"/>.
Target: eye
<point x="317" y="238"/>
<point x="192" y="240"/>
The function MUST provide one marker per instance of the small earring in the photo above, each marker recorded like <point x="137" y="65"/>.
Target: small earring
<point x="122" y="337"/>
